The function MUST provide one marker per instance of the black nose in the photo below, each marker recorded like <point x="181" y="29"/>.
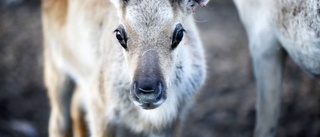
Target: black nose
<point x="147" y="91"/>
<point x="148" y="94"/>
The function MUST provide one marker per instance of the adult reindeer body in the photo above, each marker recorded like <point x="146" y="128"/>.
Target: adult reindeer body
<point x="135" y="64"/>
<point x="276" y="27"/>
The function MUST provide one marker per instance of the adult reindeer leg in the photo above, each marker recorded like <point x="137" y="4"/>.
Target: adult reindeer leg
<point x="59" y="85"/>
<point x="79" y="126"/>
<point x="96" y="107"/>
<point x="60" y="89"/>
<point x="268" y="60"/>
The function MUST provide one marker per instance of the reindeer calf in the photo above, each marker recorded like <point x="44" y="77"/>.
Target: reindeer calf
<point x="135" y="64"/>
<point x="276" y="27"/>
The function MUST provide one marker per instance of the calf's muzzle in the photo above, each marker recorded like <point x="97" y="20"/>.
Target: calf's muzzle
<point x="148" y="89"/>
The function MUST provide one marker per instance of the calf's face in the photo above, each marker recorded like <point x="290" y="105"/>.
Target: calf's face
<point x="150" y="32"/>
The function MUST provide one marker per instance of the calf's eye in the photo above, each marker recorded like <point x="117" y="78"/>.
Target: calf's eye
<point x="177" y="36"/>
<point x="118" y="35"/>
<point x="121" y="36"/>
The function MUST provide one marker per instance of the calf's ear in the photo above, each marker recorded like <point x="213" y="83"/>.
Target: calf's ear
<point x="190" y="5"/>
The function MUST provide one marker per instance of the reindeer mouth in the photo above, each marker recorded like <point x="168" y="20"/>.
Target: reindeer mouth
<point x="148" y="105"/>
<point x="147" y="98"/>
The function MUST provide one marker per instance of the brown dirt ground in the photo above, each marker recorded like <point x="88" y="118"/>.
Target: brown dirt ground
<point x="224" y="108"/>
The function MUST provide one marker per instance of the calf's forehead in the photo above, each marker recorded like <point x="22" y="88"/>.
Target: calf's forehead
<point x="153" y="15"/>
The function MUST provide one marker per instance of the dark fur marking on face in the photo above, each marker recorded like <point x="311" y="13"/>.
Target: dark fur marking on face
<point x="297" y="10"/>
<point x="194" y="80"/>
<point x="178" y="73"/>
<point x="193" y="83"/>
<point x="173" y="2"/>
<point x="178" y="78"/>
<point x="176" y="4"/>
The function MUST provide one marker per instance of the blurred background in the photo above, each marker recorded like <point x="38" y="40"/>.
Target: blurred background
<point x="224" y="108"/>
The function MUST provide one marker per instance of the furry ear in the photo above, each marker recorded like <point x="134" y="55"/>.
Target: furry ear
<point x="192" y="4"/>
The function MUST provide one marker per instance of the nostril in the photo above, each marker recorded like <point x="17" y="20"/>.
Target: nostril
<point x="146" y="90"/>
<point x="149" y="95"/>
